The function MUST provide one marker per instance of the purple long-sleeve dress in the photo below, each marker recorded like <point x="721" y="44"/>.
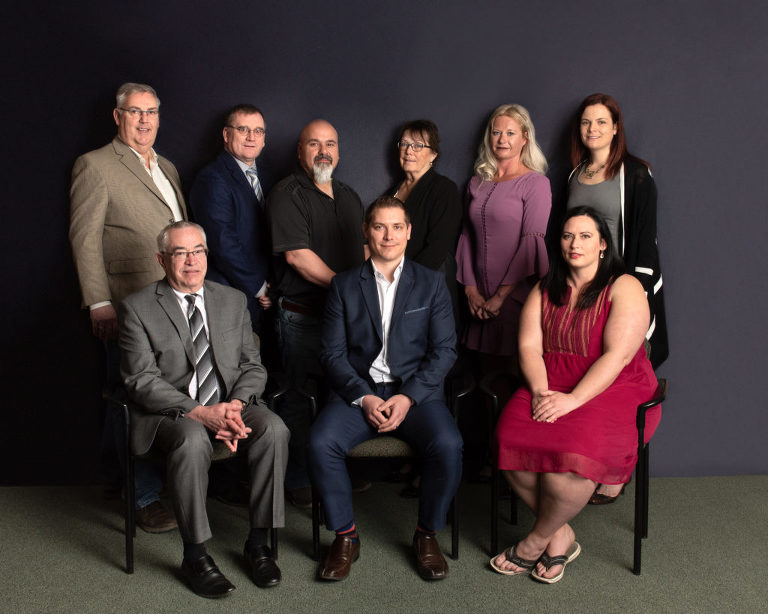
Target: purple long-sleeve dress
<point x="503" y="244"/>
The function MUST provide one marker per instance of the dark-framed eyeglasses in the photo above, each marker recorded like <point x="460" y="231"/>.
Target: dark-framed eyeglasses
<point x="180" y="255"/>
<point x="417" y="146"/>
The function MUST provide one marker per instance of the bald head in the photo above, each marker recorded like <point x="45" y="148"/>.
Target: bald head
<point x="318" y="150"/>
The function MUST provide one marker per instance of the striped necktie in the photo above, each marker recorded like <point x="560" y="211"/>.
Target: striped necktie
<point x="207" y="386"/>
<point x="253" y="177"/>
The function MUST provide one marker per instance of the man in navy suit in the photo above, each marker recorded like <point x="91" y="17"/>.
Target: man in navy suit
<point x="227" y="200"/>
<point x="388" y="342"/>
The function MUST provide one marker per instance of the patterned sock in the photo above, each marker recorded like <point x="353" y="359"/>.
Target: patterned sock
<point x="422" y="531"/>
<point x="350" y="531"/>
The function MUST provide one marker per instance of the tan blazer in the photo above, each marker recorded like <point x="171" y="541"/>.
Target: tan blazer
<point x="115" y="217"/>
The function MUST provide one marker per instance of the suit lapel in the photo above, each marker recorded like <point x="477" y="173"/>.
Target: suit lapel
<point x="237" y="175"/>
<point x="170" y="305"/>
<point x="212" y="311"/>
<point x="404" y="288"/>
<point x="371" y="296"/>
<point x="133" y="164"/>
<point x="169" y="171"/>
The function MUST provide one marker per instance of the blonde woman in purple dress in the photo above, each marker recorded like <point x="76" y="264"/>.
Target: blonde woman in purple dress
<point x="501" y="252"/>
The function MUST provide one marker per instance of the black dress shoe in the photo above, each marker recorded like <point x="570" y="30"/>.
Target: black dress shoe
<point x="264" y="571"/>
<point x="205" y="579"/>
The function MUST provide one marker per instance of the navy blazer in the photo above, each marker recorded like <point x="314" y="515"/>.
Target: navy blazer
<point x="222" y="201"/>
<point x="422" y="337"/>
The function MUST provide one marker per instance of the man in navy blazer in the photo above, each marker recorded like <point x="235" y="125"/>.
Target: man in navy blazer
<point x="227" y="200"/>
<point x="388" y="342"/>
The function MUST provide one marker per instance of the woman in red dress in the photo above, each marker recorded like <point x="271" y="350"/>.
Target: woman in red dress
<point x="582" y="355"/>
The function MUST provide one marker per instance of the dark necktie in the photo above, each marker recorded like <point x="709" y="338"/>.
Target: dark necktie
<point x="207" y="386"/>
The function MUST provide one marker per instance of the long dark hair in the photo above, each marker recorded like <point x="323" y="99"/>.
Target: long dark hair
<point x="609" y="267"/>
<point x="619" y="153"/>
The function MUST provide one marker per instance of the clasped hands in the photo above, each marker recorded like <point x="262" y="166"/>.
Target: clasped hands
<point x="386" y="416"/>
<point x="481" y="308"/>
<point x="224" y="419"/>
<point x="549" y="405"/>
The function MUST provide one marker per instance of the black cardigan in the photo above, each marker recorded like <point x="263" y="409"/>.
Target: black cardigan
<point x="641" y="253"/>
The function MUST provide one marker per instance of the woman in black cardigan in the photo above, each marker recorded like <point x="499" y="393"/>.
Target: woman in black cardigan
<point x="620" y="186"/>
<point x="432" y="201"/>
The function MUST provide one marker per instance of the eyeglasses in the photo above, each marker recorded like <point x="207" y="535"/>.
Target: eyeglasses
<point x="180" y="255"/>
<point x="136" y="112"/>
<point x="417" y="147"/>
<point x="245" y="130"/>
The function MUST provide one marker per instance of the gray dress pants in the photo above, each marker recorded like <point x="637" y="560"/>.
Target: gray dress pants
<point x="187" y="446"/>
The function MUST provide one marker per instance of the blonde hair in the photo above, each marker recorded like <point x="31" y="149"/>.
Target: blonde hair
<point x="531" y="155"/>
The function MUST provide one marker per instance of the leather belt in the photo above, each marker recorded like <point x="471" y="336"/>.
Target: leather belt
<point x="297" y="308"/>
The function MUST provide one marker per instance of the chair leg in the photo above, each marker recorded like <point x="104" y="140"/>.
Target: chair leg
<point x="273" y="542"/>
<point x="455" y="527"/>
<point x="646" y="487"/>
<point x="641" y="507"/>
<point x="130" y="493"/>
<point x="130" y="511"/>
<point x="494" y="510"/>
<point x="638" y="526"/>
<point x="315" y="526"/>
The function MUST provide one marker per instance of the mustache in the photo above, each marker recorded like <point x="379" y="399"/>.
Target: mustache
<point x="321" y="157"/>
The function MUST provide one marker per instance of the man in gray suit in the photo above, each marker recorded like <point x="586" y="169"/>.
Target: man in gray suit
<point x="122" y="195"/>
<point x="193" y="375"/>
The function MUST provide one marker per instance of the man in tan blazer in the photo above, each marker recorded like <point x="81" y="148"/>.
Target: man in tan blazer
<point x="122" y="196"/>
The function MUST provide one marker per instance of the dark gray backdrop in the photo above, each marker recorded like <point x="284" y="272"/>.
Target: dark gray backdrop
<point x="689" y="75"/>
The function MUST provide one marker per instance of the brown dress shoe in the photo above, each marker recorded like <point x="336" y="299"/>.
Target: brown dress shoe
<point x="340" y="557"/>
<point x="153" y="518"/>
<point x="430" y="561"/>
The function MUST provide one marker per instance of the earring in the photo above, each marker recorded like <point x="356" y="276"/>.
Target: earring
<point x="602" y="254"/>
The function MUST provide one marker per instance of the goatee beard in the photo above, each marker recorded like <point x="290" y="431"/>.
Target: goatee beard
<point x="322" y="173"/>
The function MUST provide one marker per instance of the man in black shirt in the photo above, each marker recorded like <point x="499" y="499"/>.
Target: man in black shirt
<point x="316" y="226"/>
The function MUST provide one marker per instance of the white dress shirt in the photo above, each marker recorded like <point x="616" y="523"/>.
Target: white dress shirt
<point x="380" y="371"/>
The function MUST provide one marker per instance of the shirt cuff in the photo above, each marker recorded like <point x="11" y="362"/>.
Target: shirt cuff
<point x="262" y="291"/>
<point x="100" y="304"/>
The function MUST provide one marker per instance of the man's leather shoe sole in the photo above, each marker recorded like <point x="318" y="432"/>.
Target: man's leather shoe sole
<point x="264" y="571"/>
<point x="430" y="561"/>
<point x="205" y="579"/>
<point x="339" y="560"/>
<point x="154" y="518"/>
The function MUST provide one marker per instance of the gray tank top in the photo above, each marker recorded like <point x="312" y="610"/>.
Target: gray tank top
<point x="605" y="197"/>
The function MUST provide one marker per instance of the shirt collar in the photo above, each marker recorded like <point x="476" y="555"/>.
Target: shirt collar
<point x="243" y="166"/>
<point x="379" y="275"/>
<point x="153" y="156"/>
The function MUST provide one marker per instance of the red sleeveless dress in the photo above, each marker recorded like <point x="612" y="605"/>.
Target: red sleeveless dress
<point x="597" y="440"/>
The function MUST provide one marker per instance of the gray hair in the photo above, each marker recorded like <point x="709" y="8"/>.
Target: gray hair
<point x="162" y="238"/>
<point x="531" y="155"/>
<point x="126" y="89"/>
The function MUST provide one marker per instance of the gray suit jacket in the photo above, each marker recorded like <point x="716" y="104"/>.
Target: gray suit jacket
<point x="115" y="217"/>
<point x="157" y="356"/>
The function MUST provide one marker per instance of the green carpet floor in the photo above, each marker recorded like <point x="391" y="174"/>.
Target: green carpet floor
<point x="62" y="551"/>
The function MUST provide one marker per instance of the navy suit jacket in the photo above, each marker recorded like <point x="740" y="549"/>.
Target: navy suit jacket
<point x="422" y="337"/>
<point x="224" y="204"/>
